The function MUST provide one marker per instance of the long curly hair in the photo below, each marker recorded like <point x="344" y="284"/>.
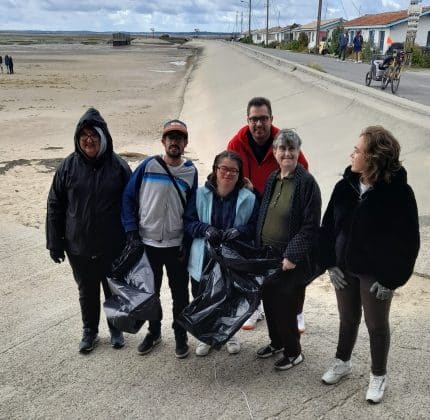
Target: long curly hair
<point x="382" y="151"/>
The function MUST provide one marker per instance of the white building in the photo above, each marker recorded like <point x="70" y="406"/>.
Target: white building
<point x="379" y="28"/>
<point x="310" y="29"/>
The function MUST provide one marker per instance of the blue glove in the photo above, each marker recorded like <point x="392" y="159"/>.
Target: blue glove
<point x="337" y="278"/>
<point x="382" y="293"/>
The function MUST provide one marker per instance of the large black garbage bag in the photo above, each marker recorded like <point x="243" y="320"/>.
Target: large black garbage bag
<point x="133" y="299"/>
<point x="229" y="291"/>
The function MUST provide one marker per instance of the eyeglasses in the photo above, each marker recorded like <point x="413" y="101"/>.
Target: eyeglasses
<point x="263" y="119"/>
<point x="91" y="135"/>
<point x="225" y="170"/>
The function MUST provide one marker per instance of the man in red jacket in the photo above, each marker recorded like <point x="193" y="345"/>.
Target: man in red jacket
<point x="253" y="143"/>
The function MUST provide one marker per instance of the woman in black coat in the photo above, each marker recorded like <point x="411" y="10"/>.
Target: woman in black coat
<point x="288" y="222"/>
<point x="369" y="243"/>
<point x="83" y="218"/>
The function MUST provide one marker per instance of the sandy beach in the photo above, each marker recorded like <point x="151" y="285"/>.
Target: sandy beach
<point x="137" y="89"/>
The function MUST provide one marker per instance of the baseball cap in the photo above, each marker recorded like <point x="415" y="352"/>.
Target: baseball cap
<point x="175" y="125"/>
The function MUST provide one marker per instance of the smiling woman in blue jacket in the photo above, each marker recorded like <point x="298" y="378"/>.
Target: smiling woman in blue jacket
<point x="223" y="209"/>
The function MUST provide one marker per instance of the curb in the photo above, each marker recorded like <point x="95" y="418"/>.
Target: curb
<point x="392" y="100"/>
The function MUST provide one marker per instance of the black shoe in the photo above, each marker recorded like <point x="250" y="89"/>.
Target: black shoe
<point x="288" y="362"/>
<point x="268" y="351"/>
<point x="116" y="338"/>
<point x="148" y="343"/>
<point x="182" y="349"/>
<point x="89" y="339"/>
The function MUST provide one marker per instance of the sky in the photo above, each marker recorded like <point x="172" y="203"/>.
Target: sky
<point x="177" y="15"/>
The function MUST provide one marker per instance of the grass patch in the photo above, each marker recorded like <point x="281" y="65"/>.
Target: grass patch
<point x="316" y="66"/>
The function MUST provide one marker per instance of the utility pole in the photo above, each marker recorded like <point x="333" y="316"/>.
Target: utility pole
<point x="249" y="17"/>
<point x="241" y="23"/>
<point x="317" y="40"/>
<point x="236" y="26"/>
<point x="414" y="13"/>
<point x="267" y="23"/>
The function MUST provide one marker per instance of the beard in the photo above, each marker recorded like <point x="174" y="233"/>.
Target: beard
<point x="174" y="152"/>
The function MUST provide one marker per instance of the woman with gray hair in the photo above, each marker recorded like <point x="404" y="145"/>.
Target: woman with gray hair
<point x="288" y="222"/>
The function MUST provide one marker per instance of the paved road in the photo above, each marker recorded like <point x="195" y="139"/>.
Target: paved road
<point x="414" y="84"/>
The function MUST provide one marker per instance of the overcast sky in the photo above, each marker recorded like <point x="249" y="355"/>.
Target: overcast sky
<point x="177" y="15"/>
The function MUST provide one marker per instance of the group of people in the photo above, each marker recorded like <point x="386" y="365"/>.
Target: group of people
<point x="8" y="62"/>
<point x="357" y="45"/>
<point x="259" y="191"/>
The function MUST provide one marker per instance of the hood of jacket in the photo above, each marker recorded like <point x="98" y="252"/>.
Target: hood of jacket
<point x="92" y="118"/>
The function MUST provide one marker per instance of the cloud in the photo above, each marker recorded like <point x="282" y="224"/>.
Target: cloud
<point x="176" y="15"/>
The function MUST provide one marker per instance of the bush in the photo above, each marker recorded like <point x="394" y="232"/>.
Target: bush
<point x="246" y="40"/>
<point x="419" y="58"/>
<point x="274" y="44"/>
<point x="303" y="40"/>
<point x="366" y="51"/>
<point x="334" y="43"/>
<point x="293" y="45"/>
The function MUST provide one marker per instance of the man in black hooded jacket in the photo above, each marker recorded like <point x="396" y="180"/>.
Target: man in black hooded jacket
<point x="83" y="218"/>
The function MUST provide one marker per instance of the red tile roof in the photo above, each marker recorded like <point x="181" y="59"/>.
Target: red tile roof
<point x="380" y="18"/>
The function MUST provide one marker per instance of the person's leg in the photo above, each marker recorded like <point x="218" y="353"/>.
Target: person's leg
<point x="156" y="261"/>
<point x="286" y="304"/>
<point x="349" y="307"/>
<point x="178" y="282"/>
<point x="88" y="281"/>
<point x="376" y="315"/>
<point x="269" y="294"/>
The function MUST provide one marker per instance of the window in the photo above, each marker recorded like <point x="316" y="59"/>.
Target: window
<point x="351" y="36"/>
<point x="381" y="40"/>
<point x="372" y="38"/>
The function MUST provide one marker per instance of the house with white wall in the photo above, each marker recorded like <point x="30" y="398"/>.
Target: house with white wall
<point x="310" y="29"/>
<point x="378" y="28"/>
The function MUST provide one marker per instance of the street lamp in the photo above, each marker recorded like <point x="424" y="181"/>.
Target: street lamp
<point x="249" y="17"/>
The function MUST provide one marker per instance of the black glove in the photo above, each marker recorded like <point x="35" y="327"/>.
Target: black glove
<point x="214" y="236"/>
<point x="57" y="255"/>
<point x="133" y="237"/>
<point x="230" y="234"/>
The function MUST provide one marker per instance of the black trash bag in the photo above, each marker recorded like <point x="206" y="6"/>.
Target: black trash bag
<point x="229" y="291"/>
<point x="133" y="299"/>
<point x="129" y="257"/>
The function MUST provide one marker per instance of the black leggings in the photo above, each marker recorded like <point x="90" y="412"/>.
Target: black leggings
<point x="350" y="300"/>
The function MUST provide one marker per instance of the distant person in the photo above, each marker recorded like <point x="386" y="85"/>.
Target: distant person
<point x="153" y="206"/>
<point x="1" y="63"/>
<point x="6" y="63"/>
<point x="369" y="244"/>
<point x="288" y="222"/>
<point x="222" y="210"/>
<point x="253" y="143"/>
<point x="343" y="43"/>
<point x="10" y="65"/>
<point x="83" y="218"/>
<point x="357" y="43"/>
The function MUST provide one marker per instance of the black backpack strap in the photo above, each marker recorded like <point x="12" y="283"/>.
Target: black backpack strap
<point x="160" y="160"/>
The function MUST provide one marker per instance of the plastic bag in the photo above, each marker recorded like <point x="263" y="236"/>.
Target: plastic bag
<point x="133" y="299"/>
<point x="229" y="291"/>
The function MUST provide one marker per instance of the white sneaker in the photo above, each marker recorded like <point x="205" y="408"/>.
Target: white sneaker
<point x="301" y="323"/>
<point x="376" y="389"/>
<point x="251" y="322"/>
<point x="337" y="371"/>
<point x="233" y="345"/>
<point x="203" y="349"/>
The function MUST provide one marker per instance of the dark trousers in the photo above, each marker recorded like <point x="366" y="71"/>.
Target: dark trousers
<point x="350" y="300"/>
<point x="342" y="52"/>
<point x="281" y="306"/>
<point x="177" y="275"/>
<point x="89" y="273"/>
